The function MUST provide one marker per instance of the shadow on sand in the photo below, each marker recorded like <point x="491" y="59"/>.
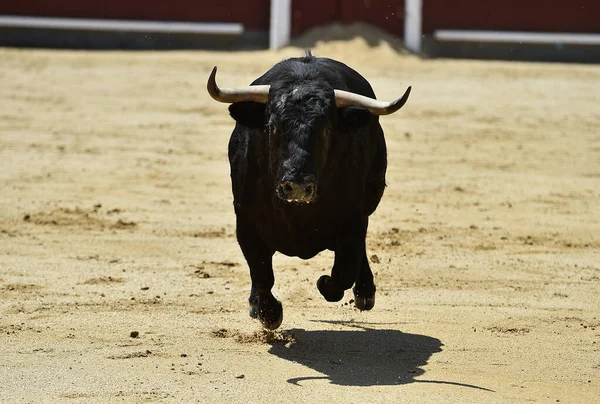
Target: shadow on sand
<point x="362" y="356"/>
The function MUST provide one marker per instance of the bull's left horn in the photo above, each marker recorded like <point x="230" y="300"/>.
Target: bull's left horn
<point x="230" y="95"/>
<point x="348" y="99"/>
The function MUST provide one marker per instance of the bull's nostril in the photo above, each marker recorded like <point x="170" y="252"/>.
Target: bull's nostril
<point x="294" y="192"/>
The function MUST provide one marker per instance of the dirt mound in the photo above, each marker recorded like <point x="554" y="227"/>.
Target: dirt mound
<point x="352" y="43"/>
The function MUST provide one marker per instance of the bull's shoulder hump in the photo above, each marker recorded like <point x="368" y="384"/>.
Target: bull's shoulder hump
<point x="352" y="79"/>
<point x="340" y="75"/>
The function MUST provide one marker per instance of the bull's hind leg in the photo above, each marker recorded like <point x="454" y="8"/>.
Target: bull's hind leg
<point x="364" y="289"/>
<point x="349" y="254"/>
<point x="263" y="304"/>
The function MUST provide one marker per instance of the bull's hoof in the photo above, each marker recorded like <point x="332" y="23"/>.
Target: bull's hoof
<point x="253" y="304"/>
<point x="330" y="292"/>
<point x="363" y="303"/>
<point x="270" y="314"/>
<point x="253" y="310"/>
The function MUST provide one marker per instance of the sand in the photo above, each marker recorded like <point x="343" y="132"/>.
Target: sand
<point x="121" y="279"/>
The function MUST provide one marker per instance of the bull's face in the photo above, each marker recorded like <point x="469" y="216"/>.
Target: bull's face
<point x="300" y="119"/>
<point x="300" y="122"/>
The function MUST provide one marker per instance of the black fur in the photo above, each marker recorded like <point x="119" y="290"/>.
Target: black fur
<point x="300" y="136"/>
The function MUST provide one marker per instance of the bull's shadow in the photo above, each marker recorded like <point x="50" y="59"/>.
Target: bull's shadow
<point x="362" y="356"/>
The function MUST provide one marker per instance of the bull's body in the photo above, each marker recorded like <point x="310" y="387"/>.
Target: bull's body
<point x="300" y="136"/>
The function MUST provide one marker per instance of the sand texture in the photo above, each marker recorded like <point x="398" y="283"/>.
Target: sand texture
<point x="121" y="279"/>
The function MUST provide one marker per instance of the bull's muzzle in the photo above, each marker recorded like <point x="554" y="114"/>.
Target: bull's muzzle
<point x="298" y="193"/>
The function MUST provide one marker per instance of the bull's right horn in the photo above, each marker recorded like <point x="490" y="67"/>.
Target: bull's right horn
<point x="230" y="95"/>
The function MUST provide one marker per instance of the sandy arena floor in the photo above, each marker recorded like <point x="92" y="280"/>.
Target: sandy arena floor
<point x="116" y="217"/>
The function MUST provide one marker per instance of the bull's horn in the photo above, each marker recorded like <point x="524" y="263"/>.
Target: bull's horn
<point x="348" y="99"/>
<point x="230" y="95"/>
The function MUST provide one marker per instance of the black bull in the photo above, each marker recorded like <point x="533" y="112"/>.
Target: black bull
<point x="308" y="161"/>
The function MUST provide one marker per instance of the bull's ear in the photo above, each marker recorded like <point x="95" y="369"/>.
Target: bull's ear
<point x="248" y="113"/>
<point x="354" y="117"/>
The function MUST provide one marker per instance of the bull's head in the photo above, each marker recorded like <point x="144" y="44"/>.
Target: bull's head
<point x="299" y="120"/>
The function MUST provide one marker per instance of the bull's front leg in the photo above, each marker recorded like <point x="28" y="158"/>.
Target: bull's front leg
<point x="364" y="289"/>
<point x="259" y="257"/>
<point x="350" y="254"/>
